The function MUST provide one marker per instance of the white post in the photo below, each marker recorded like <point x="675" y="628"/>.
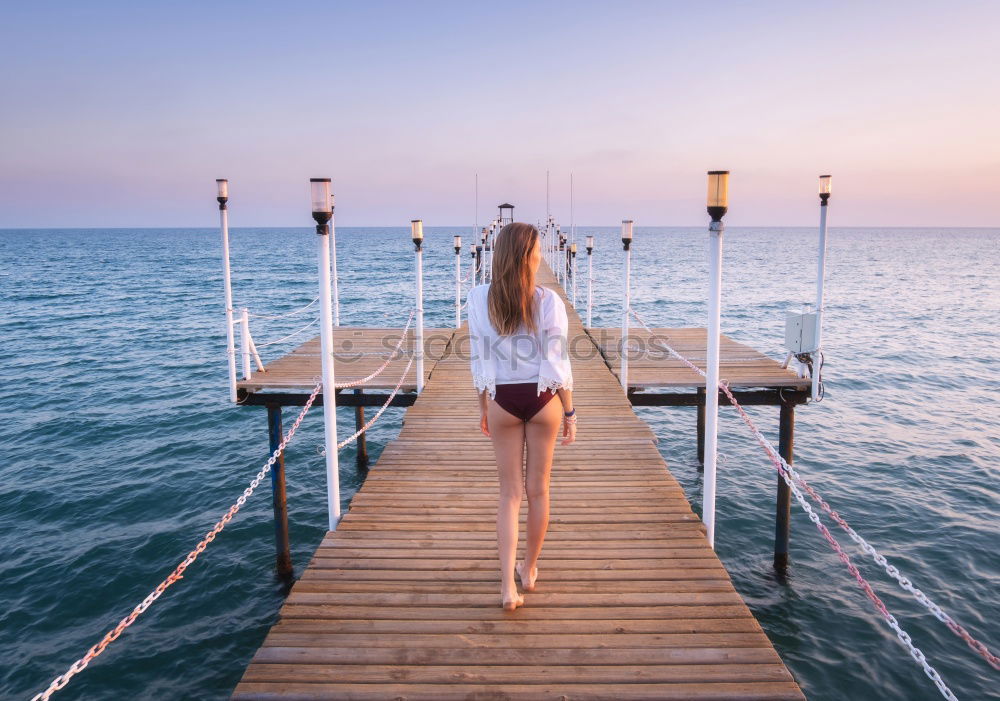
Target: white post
<point x="590" y="286"/>
<point x="712" y="379"/>
<point x="334" y="280"/>
<point x="245" y="341"/>
<point x="322" y="213"/>
<point x="458" y="281"/>
<point x="824" y="194"/>
<point x="223" y="198"/>
<point x="626" y="299"/>
<point x="417" y="227"/>
<point x="572" y="262"/>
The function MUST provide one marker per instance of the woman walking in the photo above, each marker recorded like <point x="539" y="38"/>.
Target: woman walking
<point x="520" y="361"/>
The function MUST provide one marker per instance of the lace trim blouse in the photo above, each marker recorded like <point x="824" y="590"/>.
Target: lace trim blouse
<point x="541" y="357"/>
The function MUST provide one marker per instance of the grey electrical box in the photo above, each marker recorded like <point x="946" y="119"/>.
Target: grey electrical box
<point x="800" y="332"/>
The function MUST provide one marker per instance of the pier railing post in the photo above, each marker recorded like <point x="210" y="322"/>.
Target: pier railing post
<point x="278" y="493"/>
<point x="825" y="188"/>
<point x="458" y="281"/>
<point x="783" y="507"/>
<point x="590" y="281"/>
<point x="222" y="198"/>
<point x="245" y="341"/>
<point x="334" y="281"/>
<point x="572" y="269"/>
<point x="718" y="191"/>
<point x="322" y="213"/>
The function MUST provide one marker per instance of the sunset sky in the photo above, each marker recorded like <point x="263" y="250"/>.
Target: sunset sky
<point x="123" y="114"/>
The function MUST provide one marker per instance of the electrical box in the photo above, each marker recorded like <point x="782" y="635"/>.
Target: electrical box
<point x="800" y="332"/>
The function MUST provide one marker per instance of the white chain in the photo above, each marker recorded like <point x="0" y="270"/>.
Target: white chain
<point x="285" y="338"/>
<point x="378" y="413"/>
<point x="81" y="664"/>
<point x="378" y="371"/>
<point x="788" y="475"/>
<point x="879" y="559"/>
<point x="286" y="314"/>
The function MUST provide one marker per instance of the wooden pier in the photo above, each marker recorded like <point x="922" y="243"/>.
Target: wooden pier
<point x="402" y="600"/>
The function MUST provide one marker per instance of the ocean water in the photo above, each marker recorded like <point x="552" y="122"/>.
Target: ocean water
<point x="122" y="449"/>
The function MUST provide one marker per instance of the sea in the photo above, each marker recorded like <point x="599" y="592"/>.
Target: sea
<point x="122" y="449"/>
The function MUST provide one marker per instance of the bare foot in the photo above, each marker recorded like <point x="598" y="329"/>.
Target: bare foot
<point x="511" y="600"/>
<point x="528" y="583"/>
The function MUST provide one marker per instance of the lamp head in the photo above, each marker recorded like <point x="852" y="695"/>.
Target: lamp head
<point x="417" y="232"/>
<point x="458" y="245"/>
<point x="572" y="249"/>
<point x="590" y="244"/>
<point x="223" y="192"/>
<point x="718" y="194"/>
<point x="320" y="194"/>
<point x="825" y="188"/>
<point x="626" y="233"/>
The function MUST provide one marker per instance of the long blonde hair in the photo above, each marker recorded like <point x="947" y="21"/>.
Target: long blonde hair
<point x="511" y="298"/>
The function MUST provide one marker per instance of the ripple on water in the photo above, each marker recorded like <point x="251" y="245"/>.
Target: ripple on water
<point x="126" y="450"/>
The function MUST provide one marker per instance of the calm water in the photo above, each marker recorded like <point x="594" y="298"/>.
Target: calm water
<point x="123" y="449"/>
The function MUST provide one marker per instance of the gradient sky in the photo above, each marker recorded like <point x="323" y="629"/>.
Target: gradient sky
<point x="123" y="114"/>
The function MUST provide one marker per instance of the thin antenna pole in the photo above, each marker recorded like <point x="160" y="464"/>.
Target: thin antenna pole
<point x="547" y="210"/>
<point x="572" y="226"/>
<point x="475" y="227"/>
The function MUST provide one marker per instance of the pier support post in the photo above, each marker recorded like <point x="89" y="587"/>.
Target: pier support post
<point x="283" y="563"/>
<point x="783" y="509"/>
<point x="359" y="421"/>
<point x="701" y="428"/>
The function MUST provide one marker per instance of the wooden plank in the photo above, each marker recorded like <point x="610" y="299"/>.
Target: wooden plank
<point x="402" y="600"/>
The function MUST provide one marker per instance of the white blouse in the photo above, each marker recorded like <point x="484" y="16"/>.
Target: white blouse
<point x="541" y="357"/>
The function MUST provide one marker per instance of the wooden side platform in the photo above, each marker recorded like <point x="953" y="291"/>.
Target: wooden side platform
<point x="402" y="600"/>
<point x="358" y="351"/>
<point x="651" y="366"/>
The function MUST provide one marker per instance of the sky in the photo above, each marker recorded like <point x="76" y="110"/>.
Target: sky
<point x="124" y="114"/>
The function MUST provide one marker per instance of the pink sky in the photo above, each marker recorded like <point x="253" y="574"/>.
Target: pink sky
<point x="129" y="113"/>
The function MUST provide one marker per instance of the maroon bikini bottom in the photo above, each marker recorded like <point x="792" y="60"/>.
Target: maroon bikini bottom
<point x="522" y="398"/>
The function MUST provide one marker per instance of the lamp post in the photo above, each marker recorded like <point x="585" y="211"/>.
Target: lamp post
<point x="488" y="241"/>
<point x="825" y="189"/>
<point x="718" y="204"/>
<point x="480" y="274"/>
<point x="417" y="234"/>
<point x="626" y="298"/>
<point x="222" y="197"/>
<point x="458" y="281"/>
<point x="590" y="280"/>
<point x="572" y="269"/>
<point x="322" y="211"/>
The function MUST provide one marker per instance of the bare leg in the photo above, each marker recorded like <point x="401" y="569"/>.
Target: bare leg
<point x="540" y="437"/>
<point x="507" y="434"/>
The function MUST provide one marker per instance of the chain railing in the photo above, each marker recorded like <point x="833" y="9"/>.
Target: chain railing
<point x="294" y="312"/>
<point x="112" y="635"/>
<point x="378" y="413"/>
<point x="797" y="485"/>
<point x="383" y="366"/>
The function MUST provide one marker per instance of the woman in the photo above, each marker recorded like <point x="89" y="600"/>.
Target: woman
<point x="520" y="361"/>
